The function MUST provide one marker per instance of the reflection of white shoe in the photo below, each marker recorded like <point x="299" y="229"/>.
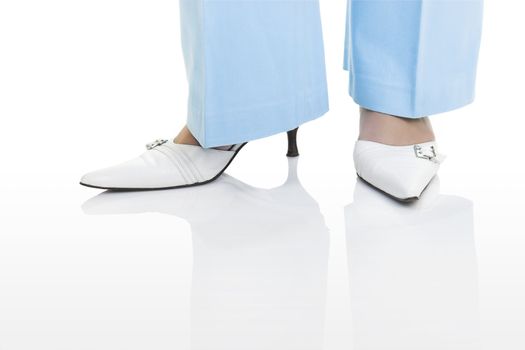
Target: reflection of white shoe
<point x="168" y="165"/>
<point x="259" y="259"/>
<point x="413" y="271"/>
<point x="402" y="172"/>
<point x="227" y="209"/>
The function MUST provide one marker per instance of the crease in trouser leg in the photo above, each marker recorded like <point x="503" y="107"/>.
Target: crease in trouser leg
<point x="254" y="68"/>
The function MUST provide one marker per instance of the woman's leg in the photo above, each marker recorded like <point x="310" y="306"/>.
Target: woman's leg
<point x="409" y="59"/>
<point x="255" y="68"/>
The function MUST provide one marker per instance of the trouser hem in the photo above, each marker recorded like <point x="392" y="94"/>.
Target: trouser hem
<point x="411" y="103"/>
<point x="232" y="127"/>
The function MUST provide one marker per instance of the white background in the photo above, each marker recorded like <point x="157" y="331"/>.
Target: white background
<point x="85" y="84"/>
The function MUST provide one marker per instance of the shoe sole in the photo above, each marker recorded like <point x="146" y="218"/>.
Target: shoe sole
<point x="403" y="200"/>
<point x="122" y="189"/>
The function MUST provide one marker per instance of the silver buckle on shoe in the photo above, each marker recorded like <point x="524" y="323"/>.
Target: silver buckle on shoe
<point x="428" y="152"/>
<point x="155" y="143"/>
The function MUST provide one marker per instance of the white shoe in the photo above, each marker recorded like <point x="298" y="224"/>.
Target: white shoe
<point x="402" y="172"/>
<point x="167" y="165"/>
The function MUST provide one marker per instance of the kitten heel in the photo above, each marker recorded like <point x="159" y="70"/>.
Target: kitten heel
<point x="293" y="151"/>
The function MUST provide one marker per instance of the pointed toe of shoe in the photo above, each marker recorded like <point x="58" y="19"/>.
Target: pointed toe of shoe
<point x="395" y="170"/>
<point x="105" y="180"/>
<point x="164" y="165"/>
<point x="119" y="176"/>
<point x="86" y="180"/>
<point x="97" y="179"/>
<point x="141" y="173"/>
<point x="405" y="183"/>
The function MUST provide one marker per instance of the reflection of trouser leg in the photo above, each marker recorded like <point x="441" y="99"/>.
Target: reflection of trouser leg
<point x="255" y="68"/>
<point x="413" y="58"/>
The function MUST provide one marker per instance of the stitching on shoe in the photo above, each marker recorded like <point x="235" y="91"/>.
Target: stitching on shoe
<point x="176" y="151"/>
<point x="190" y="165"/>
<point x="175" y="161"/>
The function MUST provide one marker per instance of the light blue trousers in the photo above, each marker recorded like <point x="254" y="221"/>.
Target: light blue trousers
<point x="256" y="67"/>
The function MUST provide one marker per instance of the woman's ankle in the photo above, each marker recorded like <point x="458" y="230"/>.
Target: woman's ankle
<point x="394" y="130"/>
<point x="185" y="137"/>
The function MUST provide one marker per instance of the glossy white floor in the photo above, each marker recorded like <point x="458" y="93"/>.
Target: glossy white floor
<point x="278" y="254"/>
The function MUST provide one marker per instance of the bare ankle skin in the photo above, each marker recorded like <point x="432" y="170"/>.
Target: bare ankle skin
<point x="392" y="130"/>
<point x="185" y="137"/>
